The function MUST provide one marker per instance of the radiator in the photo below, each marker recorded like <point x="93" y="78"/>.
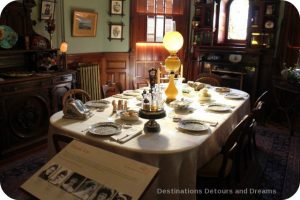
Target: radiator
<point x="89" y="80"/>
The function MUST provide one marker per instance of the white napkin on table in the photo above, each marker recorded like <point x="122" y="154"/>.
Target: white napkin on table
<point x="127" y="134"/>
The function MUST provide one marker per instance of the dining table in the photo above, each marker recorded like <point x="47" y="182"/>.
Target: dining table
<point x="178" y="153"/>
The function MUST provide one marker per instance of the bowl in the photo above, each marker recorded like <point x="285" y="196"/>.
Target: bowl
<point x="180" y="104"/>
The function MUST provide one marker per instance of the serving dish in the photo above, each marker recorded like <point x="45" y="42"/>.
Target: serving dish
<point x="129" y="115"/>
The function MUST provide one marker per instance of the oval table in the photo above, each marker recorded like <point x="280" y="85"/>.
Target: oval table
<point x="177" y="154"/>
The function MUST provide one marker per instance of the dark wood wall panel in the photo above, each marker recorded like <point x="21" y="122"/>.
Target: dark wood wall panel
<point x="113" y="66"/>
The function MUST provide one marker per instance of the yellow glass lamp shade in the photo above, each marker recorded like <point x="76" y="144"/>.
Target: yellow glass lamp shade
<point x="63" y="47"/>
<point x="173" y="41"/>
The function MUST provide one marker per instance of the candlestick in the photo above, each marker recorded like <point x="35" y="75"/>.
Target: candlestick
<point x="181" y="71"/>
<point x="158" y="76"/>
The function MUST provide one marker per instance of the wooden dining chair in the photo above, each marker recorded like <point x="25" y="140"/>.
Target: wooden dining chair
<point x="261" y="115"/>
<point x="60" y="141"/>
<point x="210" y="78"/>
<point x="76" y="94"/>
<point x="221" y="165"/>
<point x="111" y="88"/>
<point x="258" y="113"/>
<point x="140" y="83"/>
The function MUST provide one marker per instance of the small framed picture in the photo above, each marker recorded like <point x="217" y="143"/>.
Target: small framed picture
<point x="47" y="9"/>
<point x="269" y="9"/>
<point x="84" y="24"/>
<point x="116" y="31"/>
<point x="116" y="7"/>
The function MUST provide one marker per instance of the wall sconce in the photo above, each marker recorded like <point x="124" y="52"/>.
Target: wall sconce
<point x="172" y="41"/>
<point x="63" y="49"/>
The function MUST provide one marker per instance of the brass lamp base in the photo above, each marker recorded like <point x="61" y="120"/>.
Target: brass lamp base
<point x="171" y="91"/>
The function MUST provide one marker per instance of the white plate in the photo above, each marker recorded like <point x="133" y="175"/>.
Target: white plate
<point x="97" y="103"/>
<point x="218" y="107"/>
<point x="233" y="96"/>
<point x="192" y="125"/>
<point x="131" y="93"/>
<point x="105" y="129"/>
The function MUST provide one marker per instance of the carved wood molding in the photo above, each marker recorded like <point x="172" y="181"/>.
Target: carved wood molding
<point x="114" y="67"/>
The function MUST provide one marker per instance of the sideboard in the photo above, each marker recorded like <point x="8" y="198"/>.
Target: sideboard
<point x="25" y="106"/>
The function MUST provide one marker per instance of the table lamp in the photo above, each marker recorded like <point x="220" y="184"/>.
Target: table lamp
<point x="63" y="49"/>
<point x="172" y="41"/>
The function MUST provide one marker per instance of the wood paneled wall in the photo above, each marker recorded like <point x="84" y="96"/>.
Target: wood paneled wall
<point x="114" y="67"/>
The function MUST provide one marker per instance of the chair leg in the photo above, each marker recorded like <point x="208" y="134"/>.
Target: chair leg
<point x="254" y="140"/>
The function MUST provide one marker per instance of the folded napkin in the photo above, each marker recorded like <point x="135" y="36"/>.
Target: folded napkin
<point x="126" y="135"/>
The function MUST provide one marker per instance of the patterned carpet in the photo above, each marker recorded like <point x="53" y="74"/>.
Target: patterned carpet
<point x="274" y="172"/>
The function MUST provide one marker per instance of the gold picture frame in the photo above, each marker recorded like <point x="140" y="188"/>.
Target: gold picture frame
<point x="84" y="24"/>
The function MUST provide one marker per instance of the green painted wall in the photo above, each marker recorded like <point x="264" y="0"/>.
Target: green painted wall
<point x="100" y="43"/>
<point x="39" y="28"/>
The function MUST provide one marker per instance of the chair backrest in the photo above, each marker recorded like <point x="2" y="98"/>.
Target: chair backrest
<point x="211" y="79"/>
<point x="234" y="142"/>
<point x="263" y="97"/>
<point x="140" y="83"/>
<point x="60" y="141"/>
<point x="236" y="137"/>
<point x="76" y="94"/>
<point x="259" y="112"/>
<point x="110" y="89"/>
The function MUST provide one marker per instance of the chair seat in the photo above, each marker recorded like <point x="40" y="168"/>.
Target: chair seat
<point x="212" y="168"/>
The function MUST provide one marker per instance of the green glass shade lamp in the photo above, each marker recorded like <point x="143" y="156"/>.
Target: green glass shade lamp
<point x="172" y="41"/>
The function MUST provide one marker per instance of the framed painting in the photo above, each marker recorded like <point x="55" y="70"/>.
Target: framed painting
<point x="116" y="31"/>
<point x="47" y="9"/>
<point x="84" y="24"/>
<point x="116" y="7"/>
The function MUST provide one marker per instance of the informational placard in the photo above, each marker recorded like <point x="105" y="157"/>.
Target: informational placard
<point x="82" y="171"/>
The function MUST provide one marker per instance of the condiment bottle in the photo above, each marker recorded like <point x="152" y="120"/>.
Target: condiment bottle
<point x="146" y="104"/>
<point x="120" y="105"/>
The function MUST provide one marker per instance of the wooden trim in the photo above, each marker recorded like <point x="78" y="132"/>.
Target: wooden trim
<point x="114" y="66"/>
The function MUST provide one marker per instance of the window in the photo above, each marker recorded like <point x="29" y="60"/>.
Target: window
<point x="159" y="19"/>
<point x="233" y="21"/>
<point x="238" y="20"/>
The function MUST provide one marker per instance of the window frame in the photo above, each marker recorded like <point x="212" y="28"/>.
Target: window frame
<point x="226" y="27"/>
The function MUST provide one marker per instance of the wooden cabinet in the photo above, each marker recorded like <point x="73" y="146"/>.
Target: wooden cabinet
<point x="262" y="25"/>
<point x="203" y="23"/>
<point x="26" y="105"/>
<point x="237" y="67"/>
<point x="244" y="64"/>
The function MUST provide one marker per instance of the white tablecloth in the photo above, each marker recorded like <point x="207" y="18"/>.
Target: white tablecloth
<point x="178" y="155"/>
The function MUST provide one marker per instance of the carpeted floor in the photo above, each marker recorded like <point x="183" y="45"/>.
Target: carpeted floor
<point x="273" y="174"/>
